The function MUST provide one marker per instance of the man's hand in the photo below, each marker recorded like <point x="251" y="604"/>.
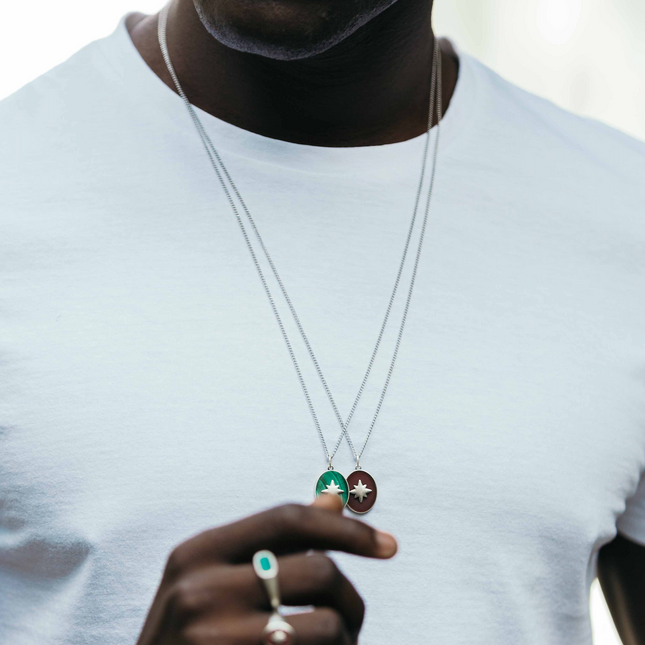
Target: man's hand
<point x="209" y="593"/>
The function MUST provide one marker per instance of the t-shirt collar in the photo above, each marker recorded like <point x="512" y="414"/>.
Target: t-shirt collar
<point x="149" y="92"/>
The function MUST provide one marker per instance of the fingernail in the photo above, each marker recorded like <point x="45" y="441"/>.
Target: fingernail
<point x="386" y="544"/>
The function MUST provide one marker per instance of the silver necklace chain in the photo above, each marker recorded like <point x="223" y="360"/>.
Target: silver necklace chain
<point x="222" y="172"/>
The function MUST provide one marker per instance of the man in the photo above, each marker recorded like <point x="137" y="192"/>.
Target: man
<point x="150" y="413"/>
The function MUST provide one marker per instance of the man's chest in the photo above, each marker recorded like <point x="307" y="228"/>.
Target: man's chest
<point x="149" y="380"/>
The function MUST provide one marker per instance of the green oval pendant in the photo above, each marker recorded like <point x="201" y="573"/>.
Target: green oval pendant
<point x="331" y="482"/>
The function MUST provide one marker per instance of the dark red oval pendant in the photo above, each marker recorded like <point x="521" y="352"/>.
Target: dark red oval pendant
<point x="362" y="491"/>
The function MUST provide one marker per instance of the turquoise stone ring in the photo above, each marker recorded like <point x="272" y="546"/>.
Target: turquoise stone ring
<point x="277" y="630"/>
<point x="331" y="482"/>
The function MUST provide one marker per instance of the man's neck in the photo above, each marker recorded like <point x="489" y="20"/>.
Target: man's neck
<point x="372" y="88"/>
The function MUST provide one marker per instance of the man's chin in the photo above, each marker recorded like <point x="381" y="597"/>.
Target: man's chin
<point x="285" y="29"/>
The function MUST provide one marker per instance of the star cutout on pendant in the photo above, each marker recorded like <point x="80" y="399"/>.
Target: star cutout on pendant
<point x="333" y="489"/>
<point x="360" y="491"/>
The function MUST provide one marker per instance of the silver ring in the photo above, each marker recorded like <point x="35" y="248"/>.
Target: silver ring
<point x="277" y="630"/>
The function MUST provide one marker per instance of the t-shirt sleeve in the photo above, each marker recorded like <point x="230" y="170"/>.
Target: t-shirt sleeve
<point x="631" y="523"/>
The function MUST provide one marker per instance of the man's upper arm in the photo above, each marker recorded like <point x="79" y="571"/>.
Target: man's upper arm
<point x="621" y="571"/>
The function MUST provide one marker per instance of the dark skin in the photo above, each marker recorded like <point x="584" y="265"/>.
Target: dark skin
<point x="324" y="73"/>
<point x="621" y="571"/>
<point x="369" y="89"/>
<point x="210" y="595"/>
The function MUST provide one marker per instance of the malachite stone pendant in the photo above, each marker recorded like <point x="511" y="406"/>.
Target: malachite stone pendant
<point x="362" y="491"/>
<point x="331" y="482"/>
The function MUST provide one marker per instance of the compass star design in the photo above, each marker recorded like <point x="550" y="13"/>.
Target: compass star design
<point x="333" y="489"/>
<point x="360" y="491"/>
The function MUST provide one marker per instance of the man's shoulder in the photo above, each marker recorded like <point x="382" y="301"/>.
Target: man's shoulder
<point x="551" y="131"/>
<point x="59" y="135"/>
<point x="48" y="128"/>
<point x="54" y="103"/>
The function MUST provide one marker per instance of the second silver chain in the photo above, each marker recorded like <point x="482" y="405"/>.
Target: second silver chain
<point x="223" y="176"/>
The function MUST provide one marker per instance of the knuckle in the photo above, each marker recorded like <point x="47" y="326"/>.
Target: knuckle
<point x="191" y="636"/>
<point x="360" y="609"/>
<point x="185" y="601"/>
<point x="330" y="627"/>
<point x="177" y="562"/>
<point x="324" y="571"/>
<point x="358" y="617"/>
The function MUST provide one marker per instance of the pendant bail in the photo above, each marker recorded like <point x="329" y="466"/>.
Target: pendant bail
<point x="329" y="467"/>
<point x="358" y="463"/>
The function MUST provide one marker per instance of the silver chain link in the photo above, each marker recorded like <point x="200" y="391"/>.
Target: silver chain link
<point x="221" y="171"/>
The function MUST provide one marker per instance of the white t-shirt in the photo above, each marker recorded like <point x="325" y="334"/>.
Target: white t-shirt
<point x="146" y="393"/>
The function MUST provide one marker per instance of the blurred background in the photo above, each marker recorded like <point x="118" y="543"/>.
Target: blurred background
<point x="587" y="56"/>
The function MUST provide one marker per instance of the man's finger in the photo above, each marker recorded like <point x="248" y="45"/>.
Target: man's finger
<point x="323" y="626"/>
<point x="292" y="528"/>
<point x="304" y="580"/>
